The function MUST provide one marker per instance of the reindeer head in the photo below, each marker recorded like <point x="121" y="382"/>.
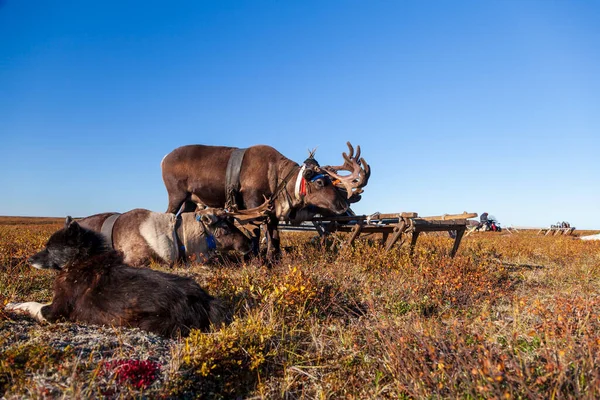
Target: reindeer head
<point x="326" y="192"/>
<point x="220" y="227"/>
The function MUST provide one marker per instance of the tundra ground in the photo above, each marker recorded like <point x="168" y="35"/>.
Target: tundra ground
<point x="512" y="316"/>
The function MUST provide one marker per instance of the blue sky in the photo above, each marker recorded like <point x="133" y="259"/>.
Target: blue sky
<point x="458" y="105"/>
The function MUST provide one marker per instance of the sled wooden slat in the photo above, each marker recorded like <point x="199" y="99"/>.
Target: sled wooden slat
<point x="392" y="227"/>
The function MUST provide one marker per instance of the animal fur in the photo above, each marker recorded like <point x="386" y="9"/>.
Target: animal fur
<point x="94" y="286"/>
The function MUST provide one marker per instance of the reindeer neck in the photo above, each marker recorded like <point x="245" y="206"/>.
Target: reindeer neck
<point x="291" y="184"/>
<point x="287" y="175"/>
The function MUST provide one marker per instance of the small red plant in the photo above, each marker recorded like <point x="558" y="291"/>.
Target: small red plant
<point x="139" y="374"/>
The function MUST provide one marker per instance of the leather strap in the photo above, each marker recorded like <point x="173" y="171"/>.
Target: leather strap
<point x="107" y="228"/>
<point x="232" y="178"/>
<point x="178" y="231"/>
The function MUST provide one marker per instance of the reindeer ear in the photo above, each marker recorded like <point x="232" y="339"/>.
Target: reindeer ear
<point x="309" y="173"/>
<point x="209" y="219"/>
<point x="221" y="214"/>
<point x="311" y="162"/>
<point x="71" y="225"/>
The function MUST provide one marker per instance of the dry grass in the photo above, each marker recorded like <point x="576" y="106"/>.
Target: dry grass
<point x="512" y="316"/>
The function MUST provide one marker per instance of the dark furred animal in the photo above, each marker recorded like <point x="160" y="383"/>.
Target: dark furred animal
<point x="144" y="235"/>
<point x="197" y="173"/>
<point x="94" y="286"/>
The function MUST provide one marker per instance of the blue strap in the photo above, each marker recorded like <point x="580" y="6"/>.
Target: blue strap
<point x="210" y="242"/>
<point x="210" y="239"/>
<point x="314" y="178"/>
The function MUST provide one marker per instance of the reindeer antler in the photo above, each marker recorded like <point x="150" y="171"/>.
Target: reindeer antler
<point x="359" y="173"/>
<point x="252" y="214"/>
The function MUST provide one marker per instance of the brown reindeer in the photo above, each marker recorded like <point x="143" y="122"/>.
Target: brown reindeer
<point x="198" y="174"/>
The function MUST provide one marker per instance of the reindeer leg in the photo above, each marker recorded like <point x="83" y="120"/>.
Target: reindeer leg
<point x="176" y="200"/>
<point x="273" y="245"/>
<point x="256" y="241"/>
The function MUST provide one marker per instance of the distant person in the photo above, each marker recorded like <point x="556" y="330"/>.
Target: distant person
<point x="483" y="220"/>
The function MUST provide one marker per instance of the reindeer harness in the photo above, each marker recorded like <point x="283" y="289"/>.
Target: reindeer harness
<point x="232" y="179"/>
<point x="107" y="228"/>
<point x="300" y="187"/>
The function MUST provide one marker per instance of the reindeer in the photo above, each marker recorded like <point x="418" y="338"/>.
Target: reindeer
<point x="202" y="175"/>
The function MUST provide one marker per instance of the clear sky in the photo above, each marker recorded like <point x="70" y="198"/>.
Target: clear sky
<point x="458" y="105"/>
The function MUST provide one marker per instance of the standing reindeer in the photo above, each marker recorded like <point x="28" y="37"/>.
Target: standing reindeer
<point x="216" y="176"/>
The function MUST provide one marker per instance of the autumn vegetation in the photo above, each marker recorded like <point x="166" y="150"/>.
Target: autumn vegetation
<point x="511" y="316"/>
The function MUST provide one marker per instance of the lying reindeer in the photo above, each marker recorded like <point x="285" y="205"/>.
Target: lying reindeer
<point x="143" y="235"/>
<point x="94" y="286"/>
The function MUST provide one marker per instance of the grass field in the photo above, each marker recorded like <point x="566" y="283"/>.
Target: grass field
<point x="512" y="316"/>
